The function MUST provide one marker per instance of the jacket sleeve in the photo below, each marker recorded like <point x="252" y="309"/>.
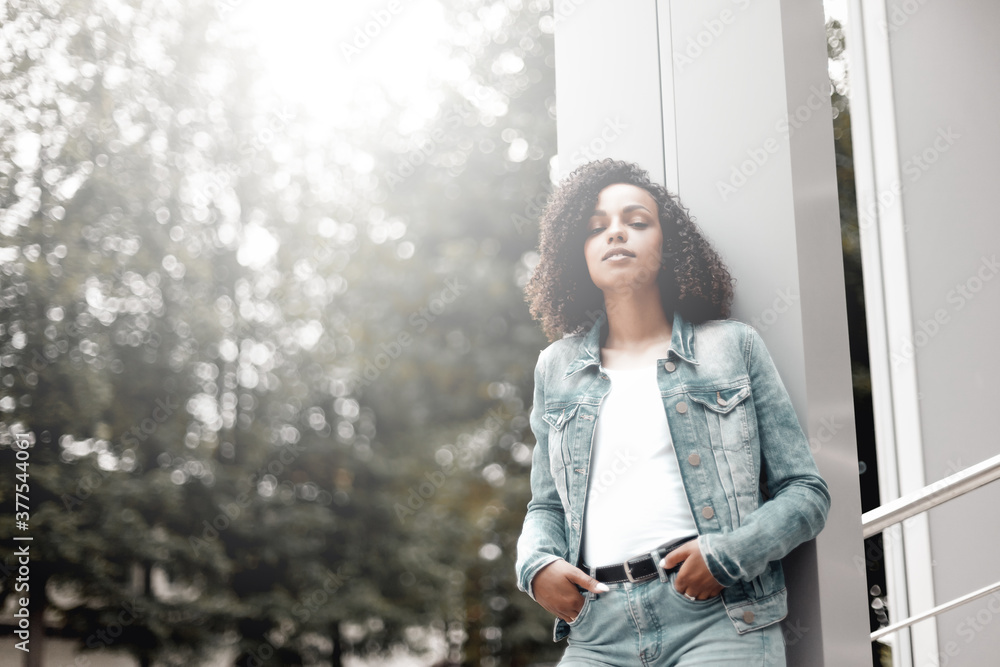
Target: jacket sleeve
<point x="543" y="536"/>
<point x="799" y="497"/>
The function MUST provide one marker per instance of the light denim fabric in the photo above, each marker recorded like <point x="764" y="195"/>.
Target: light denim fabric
<point x="650" y="624"/>
<point x="750" y="479"/>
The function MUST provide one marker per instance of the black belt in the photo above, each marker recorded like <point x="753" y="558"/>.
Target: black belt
<point x="636" y="569"/>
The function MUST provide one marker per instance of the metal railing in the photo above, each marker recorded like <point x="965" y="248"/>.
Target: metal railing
<point x="969" y="597"/>
<point x="930" y="496"/>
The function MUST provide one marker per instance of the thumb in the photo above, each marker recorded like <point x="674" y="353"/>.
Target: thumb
<point x="581" y="578"/>
<point x="678" y="555"/>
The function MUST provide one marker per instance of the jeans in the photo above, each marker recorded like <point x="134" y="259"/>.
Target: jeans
<point x="650" y="624"/>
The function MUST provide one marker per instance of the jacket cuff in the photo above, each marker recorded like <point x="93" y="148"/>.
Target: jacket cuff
<point x="529" y="574"/>
<point x="715" y="566"/>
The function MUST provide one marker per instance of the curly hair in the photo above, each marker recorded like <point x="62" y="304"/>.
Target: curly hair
<point x="560" y="293"/>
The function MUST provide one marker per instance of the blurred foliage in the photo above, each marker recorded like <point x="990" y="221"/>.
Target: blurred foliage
<point x="275" y="387"/>
<point x="286" y="455"/>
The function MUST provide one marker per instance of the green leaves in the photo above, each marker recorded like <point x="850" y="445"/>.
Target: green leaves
<point x="193" y="288"/>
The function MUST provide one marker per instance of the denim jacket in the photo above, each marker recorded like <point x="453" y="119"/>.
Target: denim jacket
<point x="749" y="476"/>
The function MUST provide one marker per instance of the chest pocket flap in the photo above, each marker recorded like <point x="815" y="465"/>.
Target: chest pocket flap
<point x="721" y="401"/>
<point x="557" y="417"/>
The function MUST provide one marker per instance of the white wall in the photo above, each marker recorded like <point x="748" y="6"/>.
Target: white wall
<point x="945" y="64"/>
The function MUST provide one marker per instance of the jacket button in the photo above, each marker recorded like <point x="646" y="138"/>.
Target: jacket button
<point x="694" y="459"/>
<point x="682" y="407"/>
<point x="748" y="616"/>
<point x="708" y="512"/>
<point x="670" y="366"/>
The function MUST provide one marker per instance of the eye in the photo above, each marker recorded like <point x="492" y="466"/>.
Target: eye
<point x="594" y="231"/>
<point x="640" y="224"/>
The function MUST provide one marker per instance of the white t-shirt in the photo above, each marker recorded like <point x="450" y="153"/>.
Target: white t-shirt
<point x="635" y="499"/>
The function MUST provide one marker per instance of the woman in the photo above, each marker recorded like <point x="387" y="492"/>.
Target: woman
<point x="670" y="473"/>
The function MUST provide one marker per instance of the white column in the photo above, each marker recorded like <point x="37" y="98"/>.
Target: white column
<point x="727" y="102"/>
<point x="608" y="84"/>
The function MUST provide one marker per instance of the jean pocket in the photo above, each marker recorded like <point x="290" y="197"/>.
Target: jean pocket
<point x="587" y="601"/>
<point x="672" y="581"/>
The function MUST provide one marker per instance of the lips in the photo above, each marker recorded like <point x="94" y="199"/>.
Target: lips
<point x="618" y="253"/>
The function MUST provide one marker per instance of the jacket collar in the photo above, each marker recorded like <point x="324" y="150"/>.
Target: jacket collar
<point x="681" y="342"/>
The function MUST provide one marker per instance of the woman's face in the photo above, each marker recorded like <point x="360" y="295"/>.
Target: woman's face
<point x="624" y="240"/>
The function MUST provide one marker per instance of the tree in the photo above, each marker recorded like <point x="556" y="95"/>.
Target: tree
<point x="233" y="417"/>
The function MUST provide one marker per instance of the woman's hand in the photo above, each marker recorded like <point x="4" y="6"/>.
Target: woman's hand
<point x="694" y="579"/>
<point x="555" y="589"/>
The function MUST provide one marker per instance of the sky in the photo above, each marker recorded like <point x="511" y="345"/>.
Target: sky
<point x="323" y="54"/>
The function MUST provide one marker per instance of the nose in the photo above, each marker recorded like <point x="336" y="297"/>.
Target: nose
<point x="616" y="231"/>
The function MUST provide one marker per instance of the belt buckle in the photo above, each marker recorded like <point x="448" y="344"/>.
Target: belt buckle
<point x="628" y="573"/>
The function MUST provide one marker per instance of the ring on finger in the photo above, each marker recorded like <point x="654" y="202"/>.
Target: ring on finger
<point x="690" y="597"/>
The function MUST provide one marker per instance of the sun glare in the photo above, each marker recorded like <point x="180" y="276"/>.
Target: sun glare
<point x="326" y="55"/>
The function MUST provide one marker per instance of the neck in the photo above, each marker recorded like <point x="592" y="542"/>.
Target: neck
<point x="635" y="319"/>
